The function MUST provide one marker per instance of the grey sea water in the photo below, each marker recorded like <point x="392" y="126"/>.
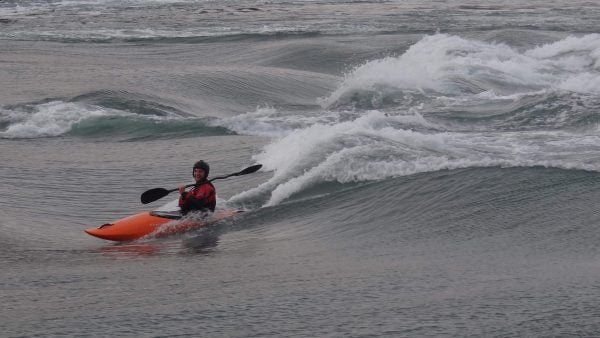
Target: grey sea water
<point x="429" y="168"/>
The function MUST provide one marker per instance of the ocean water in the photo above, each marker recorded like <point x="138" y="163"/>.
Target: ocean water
<point x="430" y="168"/>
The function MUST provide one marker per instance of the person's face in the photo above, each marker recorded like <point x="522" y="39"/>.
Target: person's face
<point x="198" y="174"/>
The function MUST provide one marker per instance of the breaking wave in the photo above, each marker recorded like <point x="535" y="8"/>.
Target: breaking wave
<point x="447" y="103"/>
<point x="60" y="118"/>
<point x="443" y="65"/>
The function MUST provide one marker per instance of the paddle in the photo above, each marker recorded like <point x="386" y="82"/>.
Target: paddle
<point x="158" y="193"/>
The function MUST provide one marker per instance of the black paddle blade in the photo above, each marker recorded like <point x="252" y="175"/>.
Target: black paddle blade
<point x="153" y="195"/>
<point x="250" y="170"/>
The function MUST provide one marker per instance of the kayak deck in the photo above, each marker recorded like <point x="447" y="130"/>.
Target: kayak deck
<point x="145" y="223"/>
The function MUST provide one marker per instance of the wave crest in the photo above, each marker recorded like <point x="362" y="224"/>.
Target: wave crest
<point x="377" y="146"/>
<point x="60" y="118"/>
<point x="446" y="65"/>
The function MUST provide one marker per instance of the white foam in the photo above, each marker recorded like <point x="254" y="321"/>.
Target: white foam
<point x="270" y="122"/>
<point x="273" y="123"/>
<point x="335" y="151"/>
<point x="51" y="119"/>
<point x="452" y="65"/>
<point x="266" y="122"/>
<point x="582" y="83"/>
<point x="58" y="117"/>
<point x="372" y="147"/>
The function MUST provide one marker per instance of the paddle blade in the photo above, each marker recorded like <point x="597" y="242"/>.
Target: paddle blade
<point x="153" y="195"/>
<point x="250" y="170"/>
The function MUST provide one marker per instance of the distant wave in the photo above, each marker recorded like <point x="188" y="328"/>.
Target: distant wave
<point x="60" y="118"/>
<point x="157" y="36"/>
<point x="452" y="66"/>
<point x="231" y="37"/>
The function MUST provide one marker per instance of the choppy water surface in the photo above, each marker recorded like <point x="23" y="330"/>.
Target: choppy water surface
<point x="429" y="169"/>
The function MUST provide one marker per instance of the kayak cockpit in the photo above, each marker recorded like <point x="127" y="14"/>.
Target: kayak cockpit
<point x="167" y="214"/>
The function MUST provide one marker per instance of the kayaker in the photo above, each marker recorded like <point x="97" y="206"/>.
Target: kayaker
<point x="202" y="197"/>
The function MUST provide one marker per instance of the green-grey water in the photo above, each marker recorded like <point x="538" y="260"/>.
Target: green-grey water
<point x="429" y="168"/>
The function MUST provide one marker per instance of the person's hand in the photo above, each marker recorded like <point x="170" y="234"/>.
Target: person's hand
<point x="182" y="189"/>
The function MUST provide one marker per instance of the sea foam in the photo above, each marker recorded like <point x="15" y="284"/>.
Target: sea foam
<point x="375" y="146"/>
<point x="49" y="119"/>
<point x="455" y="66"/>
<point x="57" y="118"/>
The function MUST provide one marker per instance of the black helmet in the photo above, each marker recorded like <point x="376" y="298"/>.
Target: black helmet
<point x="202" y="165"/>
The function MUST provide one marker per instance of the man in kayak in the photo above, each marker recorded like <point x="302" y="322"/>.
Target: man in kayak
<point x="202" y="197"/>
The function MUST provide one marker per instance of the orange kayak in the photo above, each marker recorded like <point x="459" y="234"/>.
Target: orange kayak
<point x="155" y="223"/>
